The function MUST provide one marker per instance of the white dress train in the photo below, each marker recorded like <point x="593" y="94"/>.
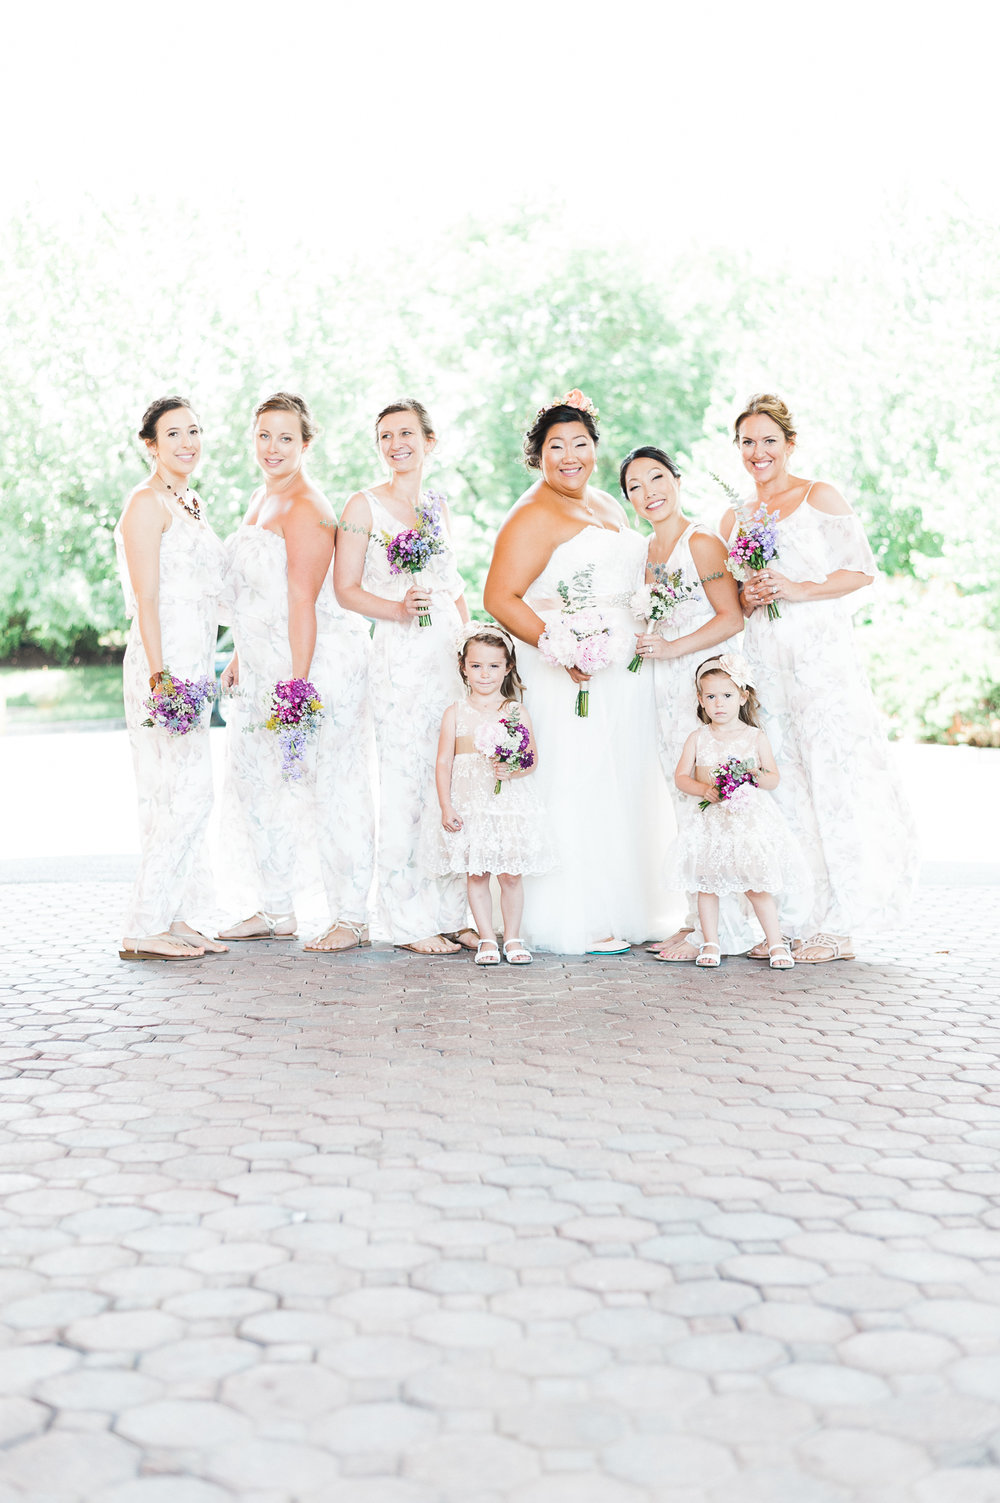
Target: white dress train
<point x="414" y="678"/>
<point x="599" y="776"/>
<point x="286" y="840"/>
<point x="173" y="774"/>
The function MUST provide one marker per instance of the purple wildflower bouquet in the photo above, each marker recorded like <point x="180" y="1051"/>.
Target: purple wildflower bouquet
<point x="657" y="601"/>
<point x="294" y="715"/>
<point x="177" y="709"/>
<point x="753" y="548"/>
<point x="506" y="740"/>
<point x="409" y="551"/>
<point x="733" y="779"/>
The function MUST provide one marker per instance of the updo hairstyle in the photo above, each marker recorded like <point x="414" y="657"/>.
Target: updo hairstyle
<point x="647" y="451"/>
<point x="765" y="404"/>
<point x="155" y="411"/>
<point x="288" y="401"/>
<point x="407" y="404"/>
<point x="548" y="418"/>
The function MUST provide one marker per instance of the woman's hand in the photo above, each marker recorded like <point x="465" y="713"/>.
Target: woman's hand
<point x="451" y="819"/>
<point x="416" y="602"/>
<point x="652" y="645"/>
<point x="768" y="585"/>
<point x="578" y="677"/>
<point x="230" y="674"/>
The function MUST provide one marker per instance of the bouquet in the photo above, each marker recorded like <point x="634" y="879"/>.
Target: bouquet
<point x="408" y="552"/>
<point x="755" y="544"/>
<point x="178" y="708"/>
<point x="507" y="741"/>
<point x="294" y="715"/>
<point x="733" y="779"/>
<point x="656" y="602"/>
<point x="578" y="639"/>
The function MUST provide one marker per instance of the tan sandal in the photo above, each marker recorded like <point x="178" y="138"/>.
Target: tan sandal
<point x="467" y="938"/>
<point x="359" y="942"/>
<point x="194" y="953"/>
<point x="824" y="942"/>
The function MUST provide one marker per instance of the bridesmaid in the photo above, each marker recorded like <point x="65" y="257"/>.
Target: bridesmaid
<point x="171" y="565"/>
<point x="837" y="789"/>
<point x="414" y="677"/>
<point x="289" y="836"/>
<point x="707" y="620"/>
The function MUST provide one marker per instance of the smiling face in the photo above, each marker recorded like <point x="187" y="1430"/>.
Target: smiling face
<point x="485" y="667"/>
<point x="402" y="442"/>
<point x="720" y="698"/>
<point x="568" y="457"/>
<point x="764" y="449"/>
<point x="653" y="491"/>
<point x="278" y="443"/>
<point x="177" y="445"/>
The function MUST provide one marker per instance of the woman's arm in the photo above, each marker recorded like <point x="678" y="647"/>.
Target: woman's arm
<point x="143" y="525"/>
<point x="523" y="547"/>
<point x="309" y="546"/>
<point x="828" y="500"/>
<point x="709" y="555"/>
<point x="450" y="818"/>
<point x="349" y="566"/>
<point x="767" y="775"/>
<point x="684" y="777"/>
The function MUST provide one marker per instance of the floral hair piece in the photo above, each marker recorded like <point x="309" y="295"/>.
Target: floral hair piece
<point x="732" y="663"/>
<point x="574" y="398"/>
<point x="473" y="628"/>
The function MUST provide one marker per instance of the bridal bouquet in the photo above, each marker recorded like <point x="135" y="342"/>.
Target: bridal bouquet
<point x="656" y="602"/>
<point x="506" y="741"/>
<point x="294" y="715"/>
<point x="409" y="551"/>
<point x="177" y="709"/>
<point x="733" y="779"/>
<point x="578" y="639"/>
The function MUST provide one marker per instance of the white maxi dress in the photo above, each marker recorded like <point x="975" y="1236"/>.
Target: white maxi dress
<point x="599" y="776"/>
<point x="414" y="678"/>
<point x="173" y="774"/>
<point x="284" y="839"/>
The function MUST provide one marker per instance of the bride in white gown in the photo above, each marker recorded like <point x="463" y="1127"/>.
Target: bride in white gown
<point x="599" y="776"/>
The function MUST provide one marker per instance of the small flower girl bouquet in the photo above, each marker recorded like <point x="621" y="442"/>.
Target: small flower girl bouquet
<point x="409" y="552"/>
<point x="579" y="636"/>
<point x="754" y="546"/>
<point x="506" y="741"/>
<point x="294" y="715"/>
<point x="733" y="780"/>
<point x="656" y="602"/>
<point x="177" y="710"/>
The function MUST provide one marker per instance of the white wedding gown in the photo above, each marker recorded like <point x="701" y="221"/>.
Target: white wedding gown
<point x="414" y="678"/>
<point x="173" y="774"/>
<point x="837" y="788"/>
<point x="599" y="776"/>
<point x="287" y="840"/>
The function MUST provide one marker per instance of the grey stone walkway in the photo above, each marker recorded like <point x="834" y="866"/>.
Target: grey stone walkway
<point x="291" y="1229"/>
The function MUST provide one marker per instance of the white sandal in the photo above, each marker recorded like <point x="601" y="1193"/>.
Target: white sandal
<point x="825" y="942"/>
<point x="360" y="932"/>
<point x="516" y="952"/>
<point x="708" y="960"/>
<point x="487" y="944"/>
<point x="775" y="961"/>
<point x="271" y="922"/>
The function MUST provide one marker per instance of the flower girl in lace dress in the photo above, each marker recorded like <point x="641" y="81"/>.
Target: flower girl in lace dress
<point x="492" y="820"/>
<point x="734" y="840"/>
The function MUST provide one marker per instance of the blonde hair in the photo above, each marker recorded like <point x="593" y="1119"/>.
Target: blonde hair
<point x="766" y="404"/>
<point x="287" y="401"/>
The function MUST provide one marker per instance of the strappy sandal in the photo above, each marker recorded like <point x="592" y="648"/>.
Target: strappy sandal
<point x="826" y="942"/>
<point x="456" y="937"/>
<point x="516" y="952"/>
<point x="487" y="959"/>
<point x="760" y="951"/>
<point x="775" y="961"/>
<point x="271" y="922"/>
<point x="360" y="942"/>
<point x="173" y="939"/>
<point x="703" y="960"/>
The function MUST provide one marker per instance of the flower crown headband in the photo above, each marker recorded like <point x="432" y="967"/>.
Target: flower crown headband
<point x="732" y="663"/>
<point x="574" y="398"/>
<point x="473" y="628"/>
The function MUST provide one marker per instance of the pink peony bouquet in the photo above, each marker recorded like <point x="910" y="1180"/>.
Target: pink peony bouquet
<point x="507" y="741"/>
<point x="578" y="639"/>
<point x="177" y="709"/>
<point x="735" y="781"/>
<point x="657" y="601"/>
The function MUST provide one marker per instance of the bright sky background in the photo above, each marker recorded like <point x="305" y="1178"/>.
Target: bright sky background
<point x="779" y="128"/>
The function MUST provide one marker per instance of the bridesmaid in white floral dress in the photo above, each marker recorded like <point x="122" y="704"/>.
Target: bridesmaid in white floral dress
<point x="286" y="837"/>
<point x="837" y="789"/>
<point x="707" y="621"/>
<point x="171" y="565"/>
<point x="414" y="677"/>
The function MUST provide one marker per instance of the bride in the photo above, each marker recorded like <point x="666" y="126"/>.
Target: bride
<point x="599" y="775"/>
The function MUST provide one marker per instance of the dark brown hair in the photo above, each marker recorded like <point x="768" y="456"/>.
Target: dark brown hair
<point x="765" y="404"/>
<point x="492" y="636"/>
<point x="287" y="401"/>
<point x="647" y="451"/>
<point x="548" y="418"/>
<point x="155" y="411"/>
<point x="748" y="711"/>
<point x="407" y="404"/>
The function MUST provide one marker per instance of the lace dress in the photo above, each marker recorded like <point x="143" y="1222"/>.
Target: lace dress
<point x="837" y="789"/>
<point x="173" y="774"/>
<point x="737" y="846"/>
<point x="414" y="678"/>
<point x="598" y="777"/>
<point x="501" y="832"/>
<point x="289" y="839"/>
<point x="677" y="717"/>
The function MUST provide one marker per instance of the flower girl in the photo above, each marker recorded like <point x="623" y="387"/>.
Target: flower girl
<point x="735" y="840"/>
<point x="492" y="821"/>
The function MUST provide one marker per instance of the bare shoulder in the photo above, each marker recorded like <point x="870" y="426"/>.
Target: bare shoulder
<point x="707" y="548"/>
<point x="826" y="498"/>
<point x="533" y="512"/>
<point x="728" y="523"/>
<point x="611" y="502"/>
<point x="357" y="509"/>
<point x="145" y="507"/>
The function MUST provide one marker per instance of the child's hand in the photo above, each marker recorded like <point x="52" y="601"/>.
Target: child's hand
<point x="711" y="793"/>
<point x="451" y="819"/>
